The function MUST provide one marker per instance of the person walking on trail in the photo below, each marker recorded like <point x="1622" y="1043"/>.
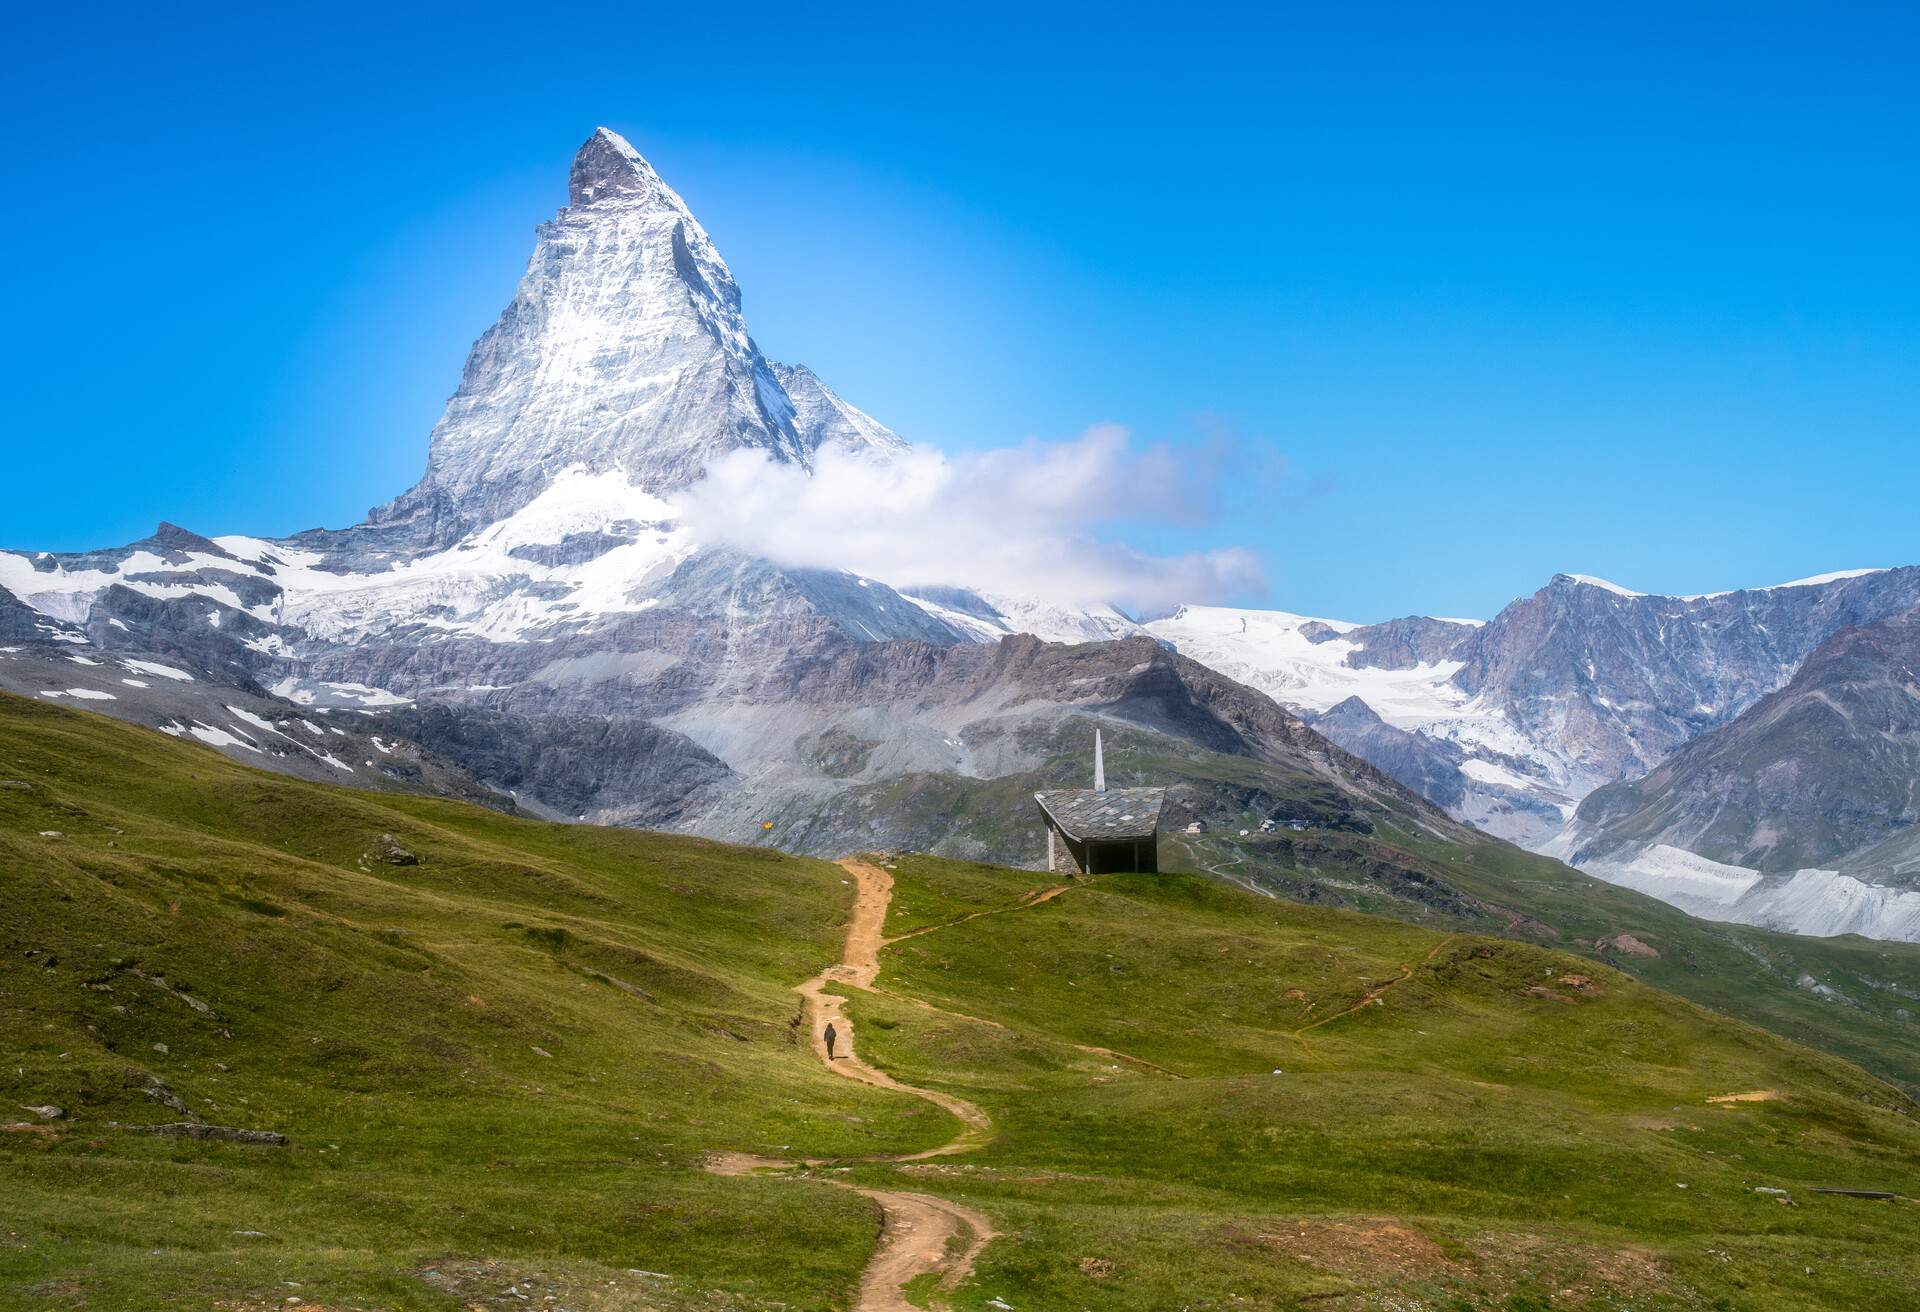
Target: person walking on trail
<point x="832" y="1034"/>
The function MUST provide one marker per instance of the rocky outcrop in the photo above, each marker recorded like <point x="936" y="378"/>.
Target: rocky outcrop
<point x="213" y="1133"/>
<point x="1430" y="766"/>
<point x="1405" y="643"/>
<point x="570" y="766"/>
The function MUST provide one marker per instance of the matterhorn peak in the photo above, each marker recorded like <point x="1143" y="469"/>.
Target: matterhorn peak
<point x="623" y="352"/>
<point x="607" y="167"/>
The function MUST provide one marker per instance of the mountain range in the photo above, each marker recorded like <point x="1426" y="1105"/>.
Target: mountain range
<point x="535" y="623"/>
<point x="1803" y="810"/>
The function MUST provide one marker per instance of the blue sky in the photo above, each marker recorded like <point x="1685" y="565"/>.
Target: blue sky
<point x="1464" y="297"/>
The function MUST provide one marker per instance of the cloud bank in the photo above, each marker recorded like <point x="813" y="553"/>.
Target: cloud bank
<point x="1035" y="520"/>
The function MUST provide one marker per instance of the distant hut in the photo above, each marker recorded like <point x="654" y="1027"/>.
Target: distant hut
<point x="1091" y="831"/>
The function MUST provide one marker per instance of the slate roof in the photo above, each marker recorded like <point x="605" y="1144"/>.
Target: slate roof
<point x="1117" y="813"/>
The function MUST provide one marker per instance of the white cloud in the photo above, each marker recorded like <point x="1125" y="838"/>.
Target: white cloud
<point x="1033" y="520"/>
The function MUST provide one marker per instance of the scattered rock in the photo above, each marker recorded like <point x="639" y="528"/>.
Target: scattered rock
<point x="1628" y="944"/>
<point x="222" y="1133"/>
<point x="542" y="1051"/>
<point x="161" y="1048"/>
<point x="46" y="1112"/>
<point x="1778" y="1195"/>
<point x="51" y="833"/>
<point x="394" y="854"/>
<point x="160" y="982"/>
<point x="19" y="785"/>
<point x="158" y="1090"/>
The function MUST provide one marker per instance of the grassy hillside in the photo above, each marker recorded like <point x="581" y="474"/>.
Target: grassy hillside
<point x="517" y="1050"/>
<point x="1392" y="856"/>
<point x="501" y="1051"/>
<point x="1852" y="996"/>
<point x="1298" y="1103"/>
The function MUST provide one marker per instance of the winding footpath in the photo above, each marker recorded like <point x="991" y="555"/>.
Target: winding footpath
<point x="1372" y="997"/>
<point x="919" y="1233"/>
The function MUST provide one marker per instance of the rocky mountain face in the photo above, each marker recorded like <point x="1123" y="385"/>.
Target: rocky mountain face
<point x="1429" y="766"/>
<point x="1805" y="809"/>
<point x="46" y="660"/>
<point x="1580" y="685"/>
<point x="623" y="352"/>
<point x="940" y="748"/>
<point x="1807" y="775"/>
<point x="1387" y="691"/>
<point x="1617" y="680"/>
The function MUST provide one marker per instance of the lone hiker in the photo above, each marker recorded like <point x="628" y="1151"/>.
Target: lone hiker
<point x="832" y="1034"/>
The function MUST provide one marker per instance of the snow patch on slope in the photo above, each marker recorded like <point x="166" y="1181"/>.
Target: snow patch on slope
<point x="1815" y="902"/>
<point x="1270" y="650"/>
<point x="68" y="594"/>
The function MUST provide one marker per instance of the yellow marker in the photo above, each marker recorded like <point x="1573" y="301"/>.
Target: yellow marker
<point x="766" y="824"/>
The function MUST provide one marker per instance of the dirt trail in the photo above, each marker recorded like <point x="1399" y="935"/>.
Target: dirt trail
<point x="1033" y="899"/>
<point x="916" y="1229"/>
<point x="1129" y="1058"/>
<point x="859" y="966"/>
<point x="1088" y="1048"/>
<point x="1374" y="995"/>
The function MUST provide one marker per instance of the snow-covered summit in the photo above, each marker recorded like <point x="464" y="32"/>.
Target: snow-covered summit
<point x="1815" y="581"/>
<point x="620" y="371"/>
<point x="608" y="168"/>
<point x="1588" y="580"/>
<point x="624" y="351"/>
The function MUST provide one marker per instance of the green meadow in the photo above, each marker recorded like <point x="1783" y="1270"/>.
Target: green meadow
<point x="500" y="1051"/>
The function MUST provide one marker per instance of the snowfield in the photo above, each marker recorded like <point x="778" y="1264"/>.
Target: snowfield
<point x="1818" y="902"/>
<point x="1266" y="649"/>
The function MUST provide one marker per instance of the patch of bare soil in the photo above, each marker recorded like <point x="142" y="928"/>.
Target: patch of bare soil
<point x="1390" y="1258"/>
<point x="1368" y="1250"/>
<point x="1567" y="1268"/>
<point x="1628" y="944"/>
<point x="1758" y="1095"/>
<point x="484" y="1283"/>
